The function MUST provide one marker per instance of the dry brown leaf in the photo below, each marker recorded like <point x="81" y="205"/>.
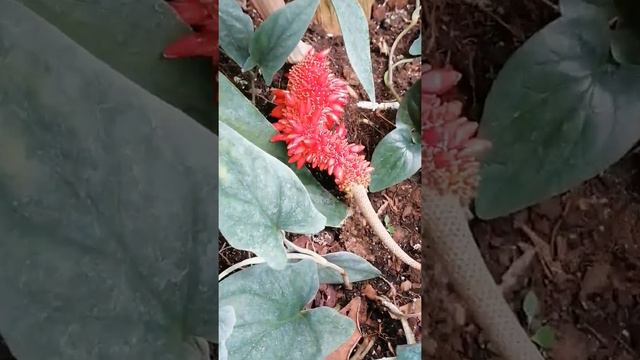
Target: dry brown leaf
<point x="595" y="280"/>
<point x="352" y="309"/>
<point x="406" y="285"/>
<point x="370" y="293"/>
<point x="552" y="268"/>
<point x="517" y="270"/>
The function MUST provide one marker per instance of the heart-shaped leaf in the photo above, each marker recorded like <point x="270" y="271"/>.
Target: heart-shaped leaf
<point x="559" y="113"/>
<point x="589" y="8"/>
<point x="262" y="199"/>
<point x="108" y="203"/>
<point x="271" y="322"/>
<point x="409" y="352"/>
<point x="397" y="157"/>
<point x="356" y="267"/>
<point x="240" y="114"/>
<point x="625" y="45"/>
<point x="409" y="111"/>
<point x="236" y="30"/>
<point x="227" y="322"/>
<point x="278" y="35"/>
<point x="355" y="32"/>
<point x="130" y="37"/>
<point x="416" y="46"/>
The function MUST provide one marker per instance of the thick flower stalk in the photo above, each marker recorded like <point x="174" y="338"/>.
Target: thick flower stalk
<point x="309" y="114"/>
<point x="450" y="149"/>
<point x="310" y="123"/>
<point x="450" y="175"/>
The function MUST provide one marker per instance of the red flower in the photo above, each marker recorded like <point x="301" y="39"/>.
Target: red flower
<point x="450" y="149"/>
<point x="202" y="15"/>
<point x="310" y="122"/>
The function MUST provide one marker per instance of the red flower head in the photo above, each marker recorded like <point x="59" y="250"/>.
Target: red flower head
<point x="202" y="15"/>
<point x="310" y="113"/>
<point x="450" y="149"/>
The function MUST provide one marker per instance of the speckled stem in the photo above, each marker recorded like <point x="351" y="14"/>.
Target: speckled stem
<point x="445" y="226"/>
<point x="361" y="199"/>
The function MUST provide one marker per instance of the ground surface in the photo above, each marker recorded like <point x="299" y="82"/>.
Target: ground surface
<point x="592" y="299"/>
<point x="401" y="203"/>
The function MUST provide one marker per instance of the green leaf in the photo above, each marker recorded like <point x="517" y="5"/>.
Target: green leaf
<point x="559" y="113"/>
<point x="409" y="112"/>
<point x="262" y="199"/>
<point x="131" y="37"/>
<point x="409" y="352"/>
<point x="545" y="337"/>
<point x="356" y="267"/>
<point x="355" y="32"/>
<point x="625" y="45"/>
<point x="271" y="321"/>
<point x="227" y="322"/>
<point x="108" y="208"/>
<point x="395" y="159"/>
<point x="531" y="306"/>
<point x="240" y="114"/>
<point x="278" y="35"/>
<point x="588" y="8"/>
<point x="416" y="46"/>
<point x="236" y="30"/>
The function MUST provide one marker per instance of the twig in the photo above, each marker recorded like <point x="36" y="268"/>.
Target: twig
<point x="555" y="7"/>
<point x="368" y="105"/>
<point x="556" y="227"/>
<point x="516" y="270"/>
<point x="393" y="310"/>
<point x="364" y="348"/>
<point x="415" y="17"/>
<point x="482" y="6"/>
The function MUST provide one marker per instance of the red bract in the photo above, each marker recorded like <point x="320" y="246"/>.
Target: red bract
<point x="202" y="15"/>
<point x="450" y="149"/>
<point x="310" y="123"/>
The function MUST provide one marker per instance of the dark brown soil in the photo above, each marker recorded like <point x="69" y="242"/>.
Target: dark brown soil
<point x="401" y="203"/>
<point x="5" y="354"/>
<point x="592" y="301"/>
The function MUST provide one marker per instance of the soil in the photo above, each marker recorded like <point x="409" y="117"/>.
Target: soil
<point x="591" y="294"/>
<point x="400" y="203"/>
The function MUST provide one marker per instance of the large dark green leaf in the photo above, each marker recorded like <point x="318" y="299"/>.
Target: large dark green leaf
<point x="262" y="199"/>
<point x="409" y="112"/>
<point x="559" y="113"/>
<point x="416" y="46"/>
<point x="409" y="352"/>
<point x="271" y="323"/>
<point x="355" y="32"/>
<point x="130" y="36"/>
<point x="278" y="35"/>
<point x="108" y="221"/>
<point x="581" y="8"/>
<point x="236" y="29"/>
<point x="240" y="114"/>
<point x="397" y="157"/>
<point x="227" y="322"/>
